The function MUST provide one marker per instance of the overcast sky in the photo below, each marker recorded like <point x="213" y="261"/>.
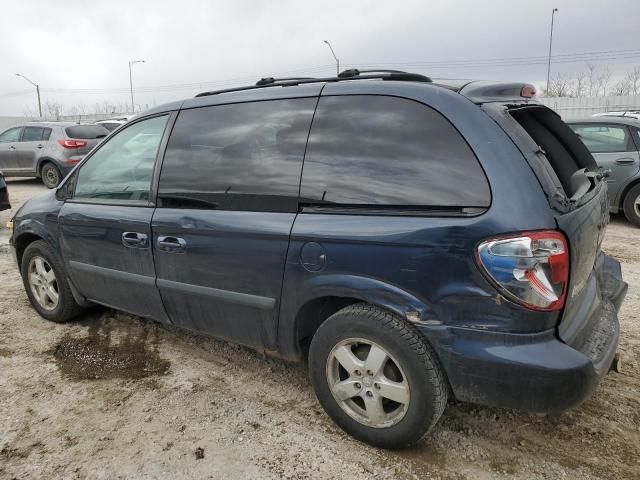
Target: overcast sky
<point x="78" y="50"/>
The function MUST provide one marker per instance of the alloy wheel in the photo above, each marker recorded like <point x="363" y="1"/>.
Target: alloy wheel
<point x="368" y="383"/>
<point x="43" y="283"/>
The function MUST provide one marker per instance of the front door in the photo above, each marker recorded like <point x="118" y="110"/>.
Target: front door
<point x="106" y="225"/>
<point x="227" y="200"/>
<point x="613" y="149"/>
<point x="8" y="144"/>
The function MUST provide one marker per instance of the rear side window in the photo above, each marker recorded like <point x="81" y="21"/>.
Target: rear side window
<point x="245" y="156"/>
<point x="35" y="134"/>
<point x="379" y="151"/>
<point x="603" y="138"/>
<point x="86" y="132"/>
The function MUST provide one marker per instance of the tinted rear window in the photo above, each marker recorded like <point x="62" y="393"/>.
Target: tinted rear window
<point x="245" y="156"/>
<point x="33" y="134"/>
<point x="387" y="151"/>
<point x="86" y="132"/>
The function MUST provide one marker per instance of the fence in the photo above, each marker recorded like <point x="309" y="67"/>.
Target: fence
<point x="573" y="108"/>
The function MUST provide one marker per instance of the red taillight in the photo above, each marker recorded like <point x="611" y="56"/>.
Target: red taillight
<point x="530" y="268"/>
<point x="72" y="143"/>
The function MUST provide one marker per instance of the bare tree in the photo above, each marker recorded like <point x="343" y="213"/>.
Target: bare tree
<point x="633" y="79"/>
<point x="52" y="110"/>
<point x="603" y="78"/>
<point x="592" y="79"/>
<point x="580" y="84"/>
<point x="559" y="86"/>
<point x="623" y="87"/>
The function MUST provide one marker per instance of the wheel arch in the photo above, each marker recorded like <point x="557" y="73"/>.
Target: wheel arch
<point x="625" y="191"/>
<point x="22" y="242"/>
<point x="327" y="295"/>
<point x="41" y="163"/>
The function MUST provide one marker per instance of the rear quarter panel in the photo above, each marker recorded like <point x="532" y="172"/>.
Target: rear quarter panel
<point x="423" y="263"/>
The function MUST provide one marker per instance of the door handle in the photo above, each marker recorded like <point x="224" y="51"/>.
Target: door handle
<point x="135" y="240"/>
<point x="172" y="244"/>
<point x="12" y="147"/>
<point x="625" y="161"/>
<point x="40" y="146"/>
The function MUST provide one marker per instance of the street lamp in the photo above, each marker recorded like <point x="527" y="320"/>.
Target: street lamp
<point x="37" y="90"/>
<point x="132" y="62"/>
<point x="553" y="12"/>
<point x="334" y="56"/>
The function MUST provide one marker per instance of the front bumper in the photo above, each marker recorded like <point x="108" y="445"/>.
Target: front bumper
<point x="535" y="372"/>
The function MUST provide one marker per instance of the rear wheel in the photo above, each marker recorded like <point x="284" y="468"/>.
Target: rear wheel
<point x="632" y="205"/>
<point x="376" y="376"/>
<point x="45" y="282"/>
<point x="50" y="175"/>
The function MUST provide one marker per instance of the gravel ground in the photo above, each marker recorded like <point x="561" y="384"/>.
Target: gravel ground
<point x="115" y="396"/>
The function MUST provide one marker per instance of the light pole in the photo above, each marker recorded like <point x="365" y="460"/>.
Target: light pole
<point x="553" y="12"/>
<point x="334" y="56"/>
<point x="132" y="62"/>
<point x="37" y="90"/>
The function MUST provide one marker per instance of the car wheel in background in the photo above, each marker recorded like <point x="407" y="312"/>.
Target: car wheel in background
<point x="632" y="205"/>
<point x="50" y="174"/>
<point x="45" y="282"/>
<point x="376" y="376"/>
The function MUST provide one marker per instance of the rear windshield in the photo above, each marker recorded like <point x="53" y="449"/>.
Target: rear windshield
<point x="563" y="148"/>
<point x="86" y="132"/>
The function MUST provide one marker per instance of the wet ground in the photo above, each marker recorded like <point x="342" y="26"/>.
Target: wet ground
<point x="115" y="396"/>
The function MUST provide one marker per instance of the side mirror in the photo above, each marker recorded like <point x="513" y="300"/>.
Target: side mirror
<point x="65" y="192"/>
<point x="4" y="194"/>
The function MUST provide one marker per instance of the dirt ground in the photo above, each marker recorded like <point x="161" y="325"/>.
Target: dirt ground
<point x="113" y="396"/>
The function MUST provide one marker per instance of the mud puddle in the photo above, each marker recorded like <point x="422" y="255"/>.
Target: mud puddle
<point x="99" y="356"/>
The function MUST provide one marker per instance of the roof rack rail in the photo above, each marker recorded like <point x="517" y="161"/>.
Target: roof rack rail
<point x="391" y="75"/>
<point x="346" y="75"/>
<point x="270" y="80"/>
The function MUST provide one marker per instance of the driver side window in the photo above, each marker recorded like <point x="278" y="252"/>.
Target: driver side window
<point x="122" y="168"/>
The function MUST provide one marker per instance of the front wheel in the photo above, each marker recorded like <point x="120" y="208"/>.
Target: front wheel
<point x="50" y="175"/>
<point x="376" y="376"/>
<point x="632" y="205"/>
<point x="46" y="284"/>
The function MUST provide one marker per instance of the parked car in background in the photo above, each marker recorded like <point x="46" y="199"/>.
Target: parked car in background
<point x="4" y="194"/>
<point x="614" y="141"/>
<point x="112" y="123"/>
<point x="624" y="113"/>
<point x="414" y="240"/>
<point x="47" y="150"/>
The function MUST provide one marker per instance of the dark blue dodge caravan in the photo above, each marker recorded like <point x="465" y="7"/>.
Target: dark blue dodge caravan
<point x="415" y="240"/>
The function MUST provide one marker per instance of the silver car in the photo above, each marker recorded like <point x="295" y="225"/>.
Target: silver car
<point x="46" y="150"/>
<point x="614" y="141"/>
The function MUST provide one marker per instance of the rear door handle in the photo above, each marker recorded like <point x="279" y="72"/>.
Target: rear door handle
<point x="171" y="244"/>
<point x="12" y="147"/>
<point x="135" y="240"/>
<point x="40" y="146"/>
<point x="625" y="161"/>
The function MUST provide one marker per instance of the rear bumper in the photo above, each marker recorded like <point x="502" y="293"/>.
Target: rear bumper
<point x="535" y="372"/>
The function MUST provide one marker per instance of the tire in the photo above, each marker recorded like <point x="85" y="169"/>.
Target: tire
<point x="364" y="330"/>
<point x="50" y="174"/>
<point x="39" y="255"/>
<point x="631" y="205"/>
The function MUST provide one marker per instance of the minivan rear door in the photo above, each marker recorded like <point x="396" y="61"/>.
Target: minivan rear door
<point x="571" y="178"/>
<point x="227" y="200"/>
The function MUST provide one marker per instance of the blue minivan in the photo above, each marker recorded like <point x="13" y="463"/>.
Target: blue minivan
<point x="414" y="240"/>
